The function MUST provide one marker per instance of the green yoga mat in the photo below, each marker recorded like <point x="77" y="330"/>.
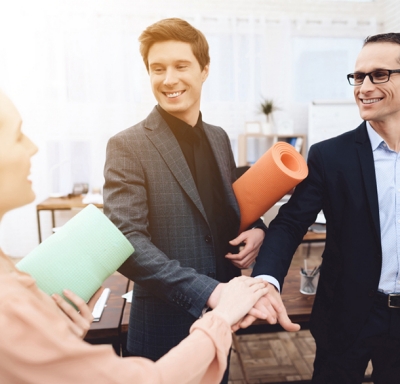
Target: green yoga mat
<point x="79" y="256"/>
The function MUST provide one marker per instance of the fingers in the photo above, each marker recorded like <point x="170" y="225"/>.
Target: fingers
<point x="270" y="308"/>
<point x="285" y="322"/>
<point x="79" y="322"/>
<point x="257" y="313"/>
<point x="281" y="314"/>
<point x="253" y="240"/>
<point x="67" y="308"/>
<point x="238" y="297"/>
<point x="238" y="240"/>
<point x="83" y="308"/>
<point x="248" y="280"/>
<point x="264" y="306"/>
<point x="243" y="259"/>
<point x="247" y="321"/>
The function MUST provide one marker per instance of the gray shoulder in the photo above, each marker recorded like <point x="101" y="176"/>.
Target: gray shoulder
<point x="134" y="132"/>
<point x="214" y="130"/>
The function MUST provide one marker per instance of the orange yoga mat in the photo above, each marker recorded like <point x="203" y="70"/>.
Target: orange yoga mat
<point x="274" y="174"/>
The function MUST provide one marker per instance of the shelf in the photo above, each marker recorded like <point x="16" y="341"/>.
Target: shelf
<point x="251" y="146"/>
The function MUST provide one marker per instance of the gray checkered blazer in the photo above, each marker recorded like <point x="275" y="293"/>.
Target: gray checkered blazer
<point x="150" y="195"/>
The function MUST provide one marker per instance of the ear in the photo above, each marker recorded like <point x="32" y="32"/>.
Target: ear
<point x="204" y="72"/>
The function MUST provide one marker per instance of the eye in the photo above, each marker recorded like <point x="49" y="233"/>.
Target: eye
<point x="358" y="77"/>
<point x="157" y="69"/>
<point x="182" y="66"/>
<point x="380" y="75"/>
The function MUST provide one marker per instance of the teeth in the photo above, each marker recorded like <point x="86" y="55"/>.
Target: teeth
<point x="175" y="94"/>
<point x="370" y="101"/>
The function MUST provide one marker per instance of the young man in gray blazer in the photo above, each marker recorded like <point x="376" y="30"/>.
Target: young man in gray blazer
<point x="169" y="189"/>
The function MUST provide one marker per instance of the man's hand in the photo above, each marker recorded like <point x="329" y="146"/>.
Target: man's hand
<point x="273" y="310"/>
<point x="252" y="239"/>
<point x="79" y="322"/>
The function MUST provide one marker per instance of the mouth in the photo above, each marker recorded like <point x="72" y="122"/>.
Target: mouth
<point x="172" y="95"/>
<point x="371" y="101"/>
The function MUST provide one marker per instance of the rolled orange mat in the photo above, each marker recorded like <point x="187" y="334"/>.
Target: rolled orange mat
<point x="274" y="174"/>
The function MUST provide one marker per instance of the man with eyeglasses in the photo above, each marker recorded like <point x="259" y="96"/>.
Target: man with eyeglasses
<point x="355" y="179"/>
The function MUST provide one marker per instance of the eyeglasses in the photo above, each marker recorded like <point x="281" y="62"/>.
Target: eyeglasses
<point x="377" y="77"/>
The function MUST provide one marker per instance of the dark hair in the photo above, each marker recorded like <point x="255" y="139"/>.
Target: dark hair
<point x="178" y="30"/>
<point x="391" y="37"/>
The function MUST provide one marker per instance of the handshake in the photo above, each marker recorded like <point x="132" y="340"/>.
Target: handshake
<point x="245" y="299"/>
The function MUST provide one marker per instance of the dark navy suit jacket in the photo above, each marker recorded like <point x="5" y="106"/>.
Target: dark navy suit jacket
<point x="342" y="183"/>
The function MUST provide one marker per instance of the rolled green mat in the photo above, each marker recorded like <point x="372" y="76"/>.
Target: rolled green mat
<point x="79" y="256"/>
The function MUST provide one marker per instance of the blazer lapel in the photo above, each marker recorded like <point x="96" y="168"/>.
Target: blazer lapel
<point x="165" y="142"/>
<point x="368" y="172"/>
<point x="221" y="157"/>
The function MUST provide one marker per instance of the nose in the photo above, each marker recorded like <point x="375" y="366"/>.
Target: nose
<point x="31" y="146"/>
<point x="367" y="85"/>
<point x="170" y="77"/>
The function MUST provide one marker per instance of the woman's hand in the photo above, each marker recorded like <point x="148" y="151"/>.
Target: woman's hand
<point x="238" y="297"/>
<point x="79" y="322"/>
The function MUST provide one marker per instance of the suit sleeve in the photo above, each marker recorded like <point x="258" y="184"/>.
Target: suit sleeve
<point x="286" y="231"/>
<point x="126" y="204"/>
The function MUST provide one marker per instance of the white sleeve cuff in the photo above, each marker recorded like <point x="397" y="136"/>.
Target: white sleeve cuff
<point x="203" y="312"/>
<point x="270" y="280"/>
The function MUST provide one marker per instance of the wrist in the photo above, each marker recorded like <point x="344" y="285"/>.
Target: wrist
<point x="214" y="297"/>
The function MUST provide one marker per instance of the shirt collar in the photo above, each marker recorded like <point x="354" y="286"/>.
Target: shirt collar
<point x="374" y="137"/>
<point x="182" y="130"/>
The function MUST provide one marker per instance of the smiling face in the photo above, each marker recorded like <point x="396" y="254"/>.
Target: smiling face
<point x="379" y="103"/>
<point x="176" y="79"/>
<point x="16" y="151"/>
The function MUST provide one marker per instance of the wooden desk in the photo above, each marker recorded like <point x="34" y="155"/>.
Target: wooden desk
<point x="59" y="204"/>
<point x="313" y="237"/>
<point x="107" y="330"/>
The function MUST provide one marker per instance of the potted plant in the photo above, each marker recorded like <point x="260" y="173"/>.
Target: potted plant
<point x="267" y="107"/>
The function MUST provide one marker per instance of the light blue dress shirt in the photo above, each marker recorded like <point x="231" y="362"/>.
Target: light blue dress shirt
<point x="387" y="172"/>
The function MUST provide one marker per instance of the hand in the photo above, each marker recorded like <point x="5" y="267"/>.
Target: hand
<point x="274" y="311"/>
<point x="79" y="322"/>
<point x="253" y="239"/>
<point x="238" y="297"/>
<point x="215" y="295"/>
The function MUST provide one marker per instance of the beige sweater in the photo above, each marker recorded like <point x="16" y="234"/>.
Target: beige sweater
<point x="36" y="345"/>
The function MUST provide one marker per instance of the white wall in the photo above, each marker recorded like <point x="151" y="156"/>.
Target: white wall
<point x="391" y="16"/>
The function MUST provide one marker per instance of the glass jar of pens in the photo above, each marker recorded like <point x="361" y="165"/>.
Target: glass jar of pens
<point x="309" y="279"/>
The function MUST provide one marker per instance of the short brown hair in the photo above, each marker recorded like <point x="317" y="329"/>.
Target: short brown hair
<point x="178" y="30"/>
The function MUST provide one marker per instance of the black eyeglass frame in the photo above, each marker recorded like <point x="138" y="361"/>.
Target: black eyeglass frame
<point x="369" y="74"/>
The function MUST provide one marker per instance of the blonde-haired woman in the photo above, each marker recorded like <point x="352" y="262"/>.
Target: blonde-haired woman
<point x="41" y="337"/>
